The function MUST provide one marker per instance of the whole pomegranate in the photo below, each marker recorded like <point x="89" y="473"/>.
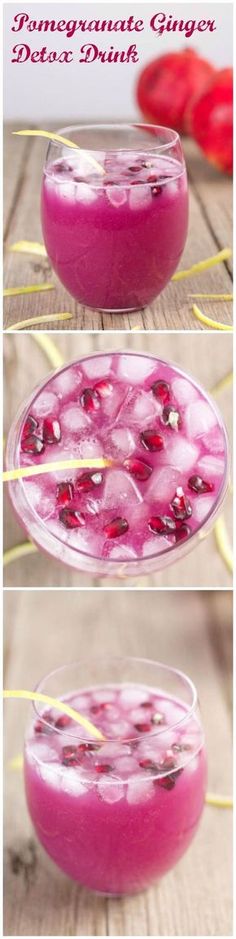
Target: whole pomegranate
<point x="167" y="85"/>
<point x="210" y="120"/>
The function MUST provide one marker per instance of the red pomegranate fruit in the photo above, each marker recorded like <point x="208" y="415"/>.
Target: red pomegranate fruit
<point x="210" y="120"/>
<point x="167" y="85"/>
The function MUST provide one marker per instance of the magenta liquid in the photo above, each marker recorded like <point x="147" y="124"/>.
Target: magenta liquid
<point x="116" y="815"/>
<point x="115" y="240"/>
<point x="168" y="449"/>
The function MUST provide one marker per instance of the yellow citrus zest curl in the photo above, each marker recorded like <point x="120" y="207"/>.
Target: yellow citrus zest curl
<point x="28" y="247"/>
<point x="59" y="705"/>
<point x="57" y="138"/>
<point x="211" y="296"/>
<point x="208" y="321"/>
<point x="223" y="544"/>
<point x="221" y="802"/>
<point x="18" y="551"/>
<point x="23" y="472"/>
<point x="223" y="255"/>
<point x="32" y="288"/>
<point x="49" y="347"/>
<point x="34" y="320"/>
<point x="222" y="384"/>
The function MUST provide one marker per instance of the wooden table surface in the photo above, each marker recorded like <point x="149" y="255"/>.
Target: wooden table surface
<point x="188" y="630"/>
<point x="210" y="229"/>
<point x="208" y="358"/>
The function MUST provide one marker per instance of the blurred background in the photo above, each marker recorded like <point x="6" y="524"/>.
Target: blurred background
<point x="53" y="92"/>
<point x="188" y="630"/>
<point x="208" y="357"/>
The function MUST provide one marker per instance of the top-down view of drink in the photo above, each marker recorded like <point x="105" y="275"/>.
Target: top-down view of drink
<point x="166" y="448"/>
<point x="115" y="213"/>
<point x="138" y="793"/>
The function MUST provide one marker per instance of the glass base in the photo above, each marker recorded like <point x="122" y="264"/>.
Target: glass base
<point x="133" y="309"/>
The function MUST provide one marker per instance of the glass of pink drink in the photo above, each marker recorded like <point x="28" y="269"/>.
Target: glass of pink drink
<point x="115" y="213"/>
<point x="167" y="480"/>
<point x="117" y="814"/>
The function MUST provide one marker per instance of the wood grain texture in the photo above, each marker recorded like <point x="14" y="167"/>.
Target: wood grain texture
<point x="210" y="229"/>
<point x="208" y="358"/>
<point x="43" y="631"/>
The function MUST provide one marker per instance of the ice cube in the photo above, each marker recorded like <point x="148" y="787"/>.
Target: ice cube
<point x="120" y="729"/>
<point x="120" y="491"/>
<point x="181" y="453"/>
<point x="42" y="752"/>
<point x="46" y="404"/>
<point x="34" y="493"/>
<point x="192" y="766"/>
<point x="211" y="465"/>
<point x="51" y="774"/>
<point x="89" y="448"/>
<point x="73" y="418"/>
<point x="138" y="715"/>
<point x="163" y="484"/>
<point x="122" y="553"/>
<point x="199" y="418"/>
<point x="140" y="408"/>
<point x="102" y="695"/>
<point x="85" y="193"/>
<point x="140" y="197"/>
<point x="133" y="697"/>
<point x="110" y="791"/>
<point x="60" y="454"/>
<point x="155" y="545"/>
<point x="214" y="441"/>
<point x="120" y="442"/>
<point x="66" y="382"/>
<point x="139" y="789"/>
<point x="125" y="766"/>
<point x="116" y="195"/>
<point x="87" y="541"/>
<point x="184" y="391"/>
<point x="66" y="190"/>
<point x="72" y="782"/>
<point x="111" y="405"/>
<point x="135" y="368"/>
<point x="97" y="366"/>
<point x="112" y="750"/>
<point x="202" y="506"/>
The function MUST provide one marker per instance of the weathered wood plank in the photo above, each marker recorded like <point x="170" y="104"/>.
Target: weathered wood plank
<point x="208" y="357"/>
<point x="210" y="227"/>
<point x="177" y="628"/>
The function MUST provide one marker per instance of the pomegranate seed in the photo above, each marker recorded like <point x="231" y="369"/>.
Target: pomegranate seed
<point x="90" y="400"/>
<point x="133" y="169"/>
<point x="171" y="417"/>
<point x="199" y="485"/>
<point x="118" y="526"/>
<point x="39" y="728"/>
<point x="146" y="704"/>
<point x="168" y="762"/>
<point x="103" y="767"/>
<point x="71" y="519"/>
<point x="183" y="532"/>
<point x="51" y="431"/>
<point x="181" y="506"/>
<point x="88" y="481"/>
<point x="142" y="728"/>
<point x="152" y="178"/>
<point x="161" y="390"/>
<point x="162" y="525"/>
<point x="137" y="468"/>
<point x="87" y="747"/>
<point x="151" y="440"/>
<point x="62" y="721"/>
<point x="70" y="756"/>
<point x="136" y="182"/>
<point x="147" y="764"/>
<point x="103" y="388"/>
<point x="29" y="427"/>
<point x="62" y="167"/>
<point x="156" y="190"/>
<point x="96" y="708"/>
<point x="158" y="718"/>
<point x="65" y="492"/>
<point x="32" y="445"/>
<point x="168" y="782"/>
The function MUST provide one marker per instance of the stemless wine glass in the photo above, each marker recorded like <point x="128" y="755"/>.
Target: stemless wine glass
<point x="118" y="813"/>
<point x="169" y="473"/>
<point x="115" y="212"/>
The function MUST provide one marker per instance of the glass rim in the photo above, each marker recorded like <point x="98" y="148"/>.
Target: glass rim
<point x="113" y="564"/>
<point x="116" y="659"/>
<point x="174" y="136"/>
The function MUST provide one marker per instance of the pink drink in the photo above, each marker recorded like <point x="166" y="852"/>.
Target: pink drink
<point x="116" y="815"/>
<point x="169" y="472"/>
<point x="115" y="238"/>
